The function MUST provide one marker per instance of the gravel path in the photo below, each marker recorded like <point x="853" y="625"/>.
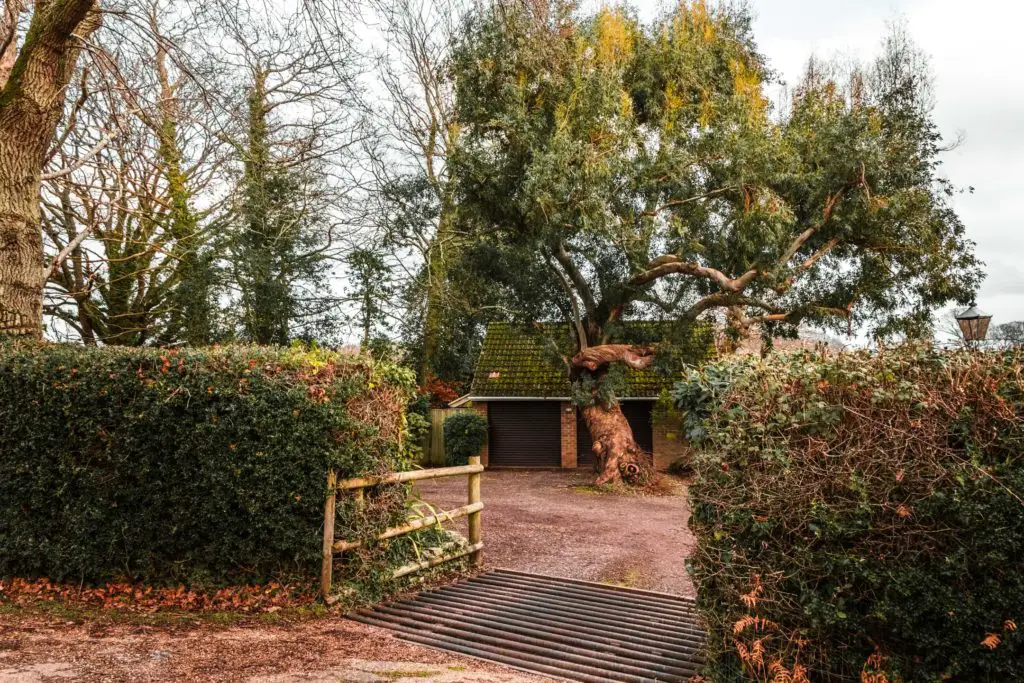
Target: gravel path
<point x="36" y="649"/>
<point x="555" y="523"/>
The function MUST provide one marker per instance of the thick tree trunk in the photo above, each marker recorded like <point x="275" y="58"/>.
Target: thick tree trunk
<point x="31" y="102"/>
<point x="619" y="458"/>
<point x="21" y="241"/>
<point x="736" y="332"/>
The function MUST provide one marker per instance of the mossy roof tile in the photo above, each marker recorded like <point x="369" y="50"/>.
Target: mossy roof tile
<point x="516" y="362"/>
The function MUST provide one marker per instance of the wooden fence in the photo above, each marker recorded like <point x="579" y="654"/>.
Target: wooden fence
<point x="433" y="446"/>
<point x="359" y="485"/>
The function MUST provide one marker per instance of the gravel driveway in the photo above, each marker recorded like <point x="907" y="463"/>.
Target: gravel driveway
<point x="553" y="522"/>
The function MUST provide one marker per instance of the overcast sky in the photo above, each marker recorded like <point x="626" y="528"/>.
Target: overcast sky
<point x="975" y="50"/>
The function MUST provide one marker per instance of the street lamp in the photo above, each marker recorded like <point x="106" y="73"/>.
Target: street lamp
<point x="973" y="324"/>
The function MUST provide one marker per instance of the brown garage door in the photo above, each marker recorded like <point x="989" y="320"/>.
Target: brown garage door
<point x="524" y="434"/>
<point x="638" y="415"/>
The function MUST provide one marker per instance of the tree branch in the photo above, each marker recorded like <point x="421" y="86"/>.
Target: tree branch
<point x="587" y="294"/>
<point x="97" y="148"/>
<point x="66" y="251"/>
<point x="679" y="202"/>
<point x="576" y="320"/>
<point x="670" y="264"/>
<point x="830" y="205"/>
<point x="595" y="357"/>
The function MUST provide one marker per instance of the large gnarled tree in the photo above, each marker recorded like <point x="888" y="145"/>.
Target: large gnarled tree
<point x="34" y="73"/>
<point x="611" y="171"/>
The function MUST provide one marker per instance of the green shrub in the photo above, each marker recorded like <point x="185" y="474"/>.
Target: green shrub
<point x="203" y="466"/>
<point x="861" y="514"/>
<point x="418" y="427"/>
<point x="464" y="435"/>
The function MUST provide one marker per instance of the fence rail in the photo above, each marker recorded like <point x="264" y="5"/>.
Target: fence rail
<point x="472" y="510"/>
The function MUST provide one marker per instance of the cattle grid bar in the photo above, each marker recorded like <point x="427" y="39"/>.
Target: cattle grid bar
<point x="572" y="630"/>
<point x="357" y="486"/>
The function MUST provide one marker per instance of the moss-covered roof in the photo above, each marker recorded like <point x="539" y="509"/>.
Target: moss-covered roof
<point x="519" y="362"/>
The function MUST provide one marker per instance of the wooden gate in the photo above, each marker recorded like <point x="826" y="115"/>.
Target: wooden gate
<point x="357" y="486"/>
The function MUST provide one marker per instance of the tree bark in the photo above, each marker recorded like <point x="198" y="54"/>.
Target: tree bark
<point x="31" y="102"/>
<point x="619" y="458"/>
<point x="438" y="256"/>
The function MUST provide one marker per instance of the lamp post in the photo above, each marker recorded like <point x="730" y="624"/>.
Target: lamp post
<point x="973" y="324"/>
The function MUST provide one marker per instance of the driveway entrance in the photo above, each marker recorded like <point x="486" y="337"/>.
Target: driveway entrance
<point x="555" y="523"/>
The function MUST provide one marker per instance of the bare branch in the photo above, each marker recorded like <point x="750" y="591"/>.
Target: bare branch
<point x="66" y="251"/>
<point x="585" y="292"/>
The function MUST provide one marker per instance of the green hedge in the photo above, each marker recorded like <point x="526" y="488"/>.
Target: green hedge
<point x="465" y="434"/>
<point x="861" y="515"/>
<point x="203" y="466"/>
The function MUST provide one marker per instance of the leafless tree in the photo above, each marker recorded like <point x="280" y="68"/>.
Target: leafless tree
<point x="414" y="192"/>
<point x="139" y="150"/>
<point x="295" y="206"/>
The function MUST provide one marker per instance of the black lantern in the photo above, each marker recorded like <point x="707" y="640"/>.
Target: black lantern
<point x="973" y="323"/>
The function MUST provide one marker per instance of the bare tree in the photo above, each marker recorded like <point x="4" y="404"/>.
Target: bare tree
<point x="409" y="159"/>
<point x="133" y="263"/>
<point x="296" y="135"/>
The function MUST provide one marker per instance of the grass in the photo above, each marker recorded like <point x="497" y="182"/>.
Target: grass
<point x="395" y="675"/>
<point x="592" y="489"/>
<point x="661" y="485"/>
<point x="628" y="579"/>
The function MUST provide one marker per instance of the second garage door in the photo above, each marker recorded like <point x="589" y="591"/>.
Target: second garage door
<point x="524" y="434"/>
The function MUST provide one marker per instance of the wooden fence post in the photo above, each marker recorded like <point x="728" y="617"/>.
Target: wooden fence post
<point x="327" y="567"/>
<point x="476" y="559"/>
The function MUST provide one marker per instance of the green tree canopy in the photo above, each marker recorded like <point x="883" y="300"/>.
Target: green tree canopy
<point x="610" y="169"/>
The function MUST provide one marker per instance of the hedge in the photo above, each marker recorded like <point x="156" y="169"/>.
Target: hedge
<point x="860" y="516"/>
<point x="204" y="466"/>
<point x="465" y="434"/>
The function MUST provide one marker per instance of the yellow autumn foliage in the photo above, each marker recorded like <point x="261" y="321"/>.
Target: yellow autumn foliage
<point x="707" y="109"/>
<point x="695" y="19"/>
<point x="625" y="105"/>
<point x="614" y="38"/>
<point x="747" y="87"/>
<point x="673" y="102"/>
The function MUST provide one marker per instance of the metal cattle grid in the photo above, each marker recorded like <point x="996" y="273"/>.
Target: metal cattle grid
<point x="572" y="630"/>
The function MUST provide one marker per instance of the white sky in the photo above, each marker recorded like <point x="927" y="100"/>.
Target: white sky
<point x="976" y="51"/>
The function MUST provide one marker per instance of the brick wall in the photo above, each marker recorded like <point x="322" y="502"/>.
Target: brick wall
<point x="669" y="444"/>
<point x="568" y="413"/>
<point x="481" y="408"/>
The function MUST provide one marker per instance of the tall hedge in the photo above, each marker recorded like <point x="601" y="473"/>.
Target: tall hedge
<point x="465" y="434"/>
<point x="860" y="516"/>
<point x="195" y="465"/>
